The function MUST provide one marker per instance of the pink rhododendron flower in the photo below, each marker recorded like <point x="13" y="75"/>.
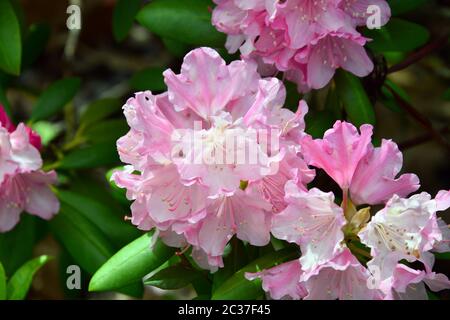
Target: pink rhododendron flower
<point x="342" y="277"/>
<point x="332" y="237"/>
<point x="368" y="173"/>
<point x="307" y="39"/>
<point x="313" y="221"/>
<point x="409" y="284"/>
<point x="186" y="177"/>
<point x="6" y="123"/>
<point x="23" y="186"/>
<point x="358" y="10"/>
<point x="404" y="229"/>
<point x="283" y="281"/>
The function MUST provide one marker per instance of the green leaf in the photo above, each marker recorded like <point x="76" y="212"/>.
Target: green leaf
<point x="57" y="95"/>
<point x="119" y="231"/>
<point x="118" y="193"/>
<point x="130" y="264"/>
<point x="235" y="260"/>
<point x="174" y="277"/>
<point x="35" y="43"/>
<point x="388" y="98"/>
<point x="177" y="48"/>
<point x="238" y="287"/>
<point x="446" y="95"/>
<point x="16" y="246"/>
<point x="432" y="296"/>
<point x="352" y="94"/>
<point x="4" y="101"/>
<point x="318" y="123"/>
<point x="123" y="17"/>
<point x="134" y="290"/>
<point x="96" y="155"/>
<point x="292" y="96"/>
<point x="47" y="130"/>
<point x="187" y="21"/>
<point x="99" y="110"/>
<point x="398" y="35"/>
<point x="86" y="243"/>
<point x="20" y="282"/>
<point x="149" y="79"/>
<point x="88" y="185"/>
<point x="442" y="256"/>
<point x="402" y="6"/>
<point x="2" y="283"/>
<point x="107" y="131"/>
<point x="10" y="39"/>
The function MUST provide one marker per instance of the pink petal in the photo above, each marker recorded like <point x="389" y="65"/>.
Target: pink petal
<point x="282" y="281"/>
<point x="9" y="215"/>
<point x="42" y="201"/>
<point x="340" y="151"/>
<point x="313" y="221"/>
<point x="374" y="180"/>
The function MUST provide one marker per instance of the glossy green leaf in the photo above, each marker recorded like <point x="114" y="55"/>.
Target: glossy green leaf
<point x="47" y="130"/>
<point x="106" y="131"/>
<point x="398" y="35"/>
<point x="134" y="290"/>
<point x="356" y="102"/>
<point x="99" y="110"/>
<point x="388" y="98"/>
<point x="85" y="242"/>
<point x="239" y="288"/>
<point x="10" y="39"/>
<point x="130" y="264"/>
<point x="187" y="21"/>
<point x="35" y="43"/>
<point x="149" y="79"/>
<point x="442" y="256"/>
<point x="446" y="95"/>
<point x="174" y="277"/>
<point x="115" y="228"/>
<point x="57" y="95"/>
<point x="233" y="262"/>
<point x="177" y="48"/>
<point x="20" y="282"/>
<point x="89" y="185"/>
<point x="402" y="6"/>
<point x="123" y="17"/>
<point x="118" y="193"/>
<point x="4" y="101"/>
<point x="319" y="122"/>
<point x="292" y="96"/>
<point x="16" y="246"/>
<point x="3" y="293"/>
<point x="96" y="155"/>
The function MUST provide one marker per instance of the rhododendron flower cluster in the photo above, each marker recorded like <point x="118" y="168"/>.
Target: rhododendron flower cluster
<point x="349" y="252"/>
<point x="306" y="39"/>
<point x="23" y="185"/>
<point x="181" y="176"/>
<point x="184" y="183"/>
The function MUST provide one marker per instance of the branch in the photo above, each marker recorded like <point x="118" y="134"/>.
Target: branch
<point x="420" y="139"/>
<point x="420" y="54"/>
<point x="420" y="118"/>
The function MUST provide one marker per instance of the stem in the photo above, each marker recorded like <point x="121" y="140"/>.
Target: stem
<point x="420" y="54"/>
<point x="344" y="204"/>
<point x="421" y="139"/>
<point x="51" y="166"/>
<point x="361" y="252"/>
<point x="420" y="118"/>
